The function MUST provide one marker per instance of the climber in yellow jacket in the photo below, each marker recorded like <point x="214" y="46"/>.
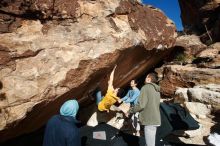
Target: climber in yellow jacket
<point x="104" y="103"/>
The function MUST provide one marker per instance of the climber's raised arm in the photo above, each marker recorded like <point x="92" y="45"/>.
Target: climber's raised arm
<point x="110" y="82"/>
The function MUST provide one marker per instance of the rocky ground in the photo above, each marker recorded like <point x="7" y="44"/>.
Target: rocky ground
<point x="191" y="78"/>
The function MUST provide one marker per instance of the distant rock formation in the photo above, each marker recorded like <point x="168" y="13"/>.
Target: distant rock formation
<point x="192" y="64"/>
<point x="191" y="73"/>
<point x="201" y="17"/>
<point x="191" y="76"/>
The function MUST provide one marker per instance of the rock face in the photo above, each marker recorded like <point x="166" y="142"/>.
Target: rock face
<point x="191" y="74"/>
<point x="202" y="17"/>
<point x="198" y="109"/>
<point x="192" y="64"/>
<point x="54" y="51"/>
<point x="210" y="57"/>
<point x="191" y="77"/>
<point x="175" y="76"/>
<point x="189" y="46"/>
<point x="207" y="94"/>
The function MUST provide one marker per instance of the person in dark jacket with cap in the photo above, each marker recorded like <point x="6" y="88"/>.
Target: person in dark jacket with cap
<point x="149" y="107"/>
<point x="61" y="130"/>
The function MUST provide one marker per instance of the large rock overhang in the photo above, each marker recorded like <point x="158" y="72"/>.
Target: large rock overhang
<point x="45" y="62"/>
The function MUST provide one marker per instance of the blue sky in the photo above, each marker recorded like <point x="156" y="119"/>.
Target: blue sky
<point x="170" y="8"/>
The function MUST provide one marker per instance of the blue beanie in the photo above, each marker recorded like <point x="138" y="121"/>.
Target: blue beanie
<point x="69" y="108"/>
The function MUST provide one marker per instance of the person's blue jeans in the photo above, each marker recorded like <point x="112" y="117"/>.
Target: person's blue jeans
<point x="99" y="97"/>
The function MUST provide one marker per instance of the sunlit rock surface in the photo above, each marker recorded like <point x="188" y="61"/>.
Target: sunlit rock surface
<point x="51" y="52"/>
<point x="190" y="76"/>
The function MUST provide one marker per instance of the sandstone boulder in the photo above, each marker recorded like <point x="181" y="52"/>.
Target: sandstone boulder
<point x="191" y="43"/>
<point x="174" y="76"/>
<point x="208" y="53"/>
<point x="199" y="109"/>
<point x="51" y="52"/>
<point x="186" y="48"/>
<point x="209" y="58"/>
<point x="207" y="94"/>
<point x="181" y="95"/>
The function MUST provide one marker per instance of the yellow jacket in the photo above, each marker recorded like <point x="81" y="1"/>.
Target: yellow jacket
<point x="109" y="99"/>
